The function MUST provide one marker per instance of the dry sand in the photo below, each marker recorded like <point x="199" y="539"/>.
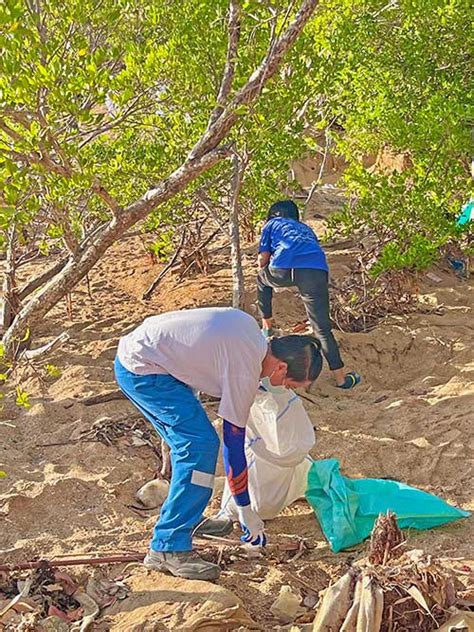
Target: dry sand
<point x="410" y="419"/>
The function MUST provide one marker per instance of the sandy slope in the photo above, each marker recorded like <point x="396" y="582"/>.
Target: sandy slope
<point x="411" y="420"/>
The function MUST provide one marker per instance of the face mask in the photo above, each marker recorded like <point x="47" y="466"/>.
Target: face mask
<point x="269" y="387"/>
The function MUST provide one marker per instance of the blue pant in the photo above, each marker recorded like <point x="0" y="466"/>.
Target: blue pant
<point x="179" y="418"/>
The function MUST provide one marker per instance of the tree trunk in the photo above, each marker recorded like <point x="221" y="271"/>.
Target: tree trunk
<point x="10" y="299"/>
<point x="235" y="250"/>
<point x="252" y="89"/>
<point x="94" y="248"/>
<point x="41" y="279"/>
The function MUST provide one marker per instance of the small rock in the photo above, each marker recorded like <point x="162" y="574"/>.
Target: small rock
<point x="138" y="441"/>
<point x="153" y="494"/>
<point x="287" y="605"/>
<point x="310" y="600"/>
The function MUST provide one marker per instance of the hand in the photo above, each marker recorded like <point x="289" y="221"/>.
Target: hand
<point x="252" y="526"/>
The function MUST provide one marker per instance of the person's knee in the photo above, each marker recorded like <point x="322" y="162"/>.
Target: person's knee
<point x="321" y="326"/>
<point x="324" y="330"/>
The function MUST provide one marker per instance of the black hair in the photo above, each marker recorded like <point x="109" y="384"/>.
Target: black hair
<point x="302" y="354"/>
<point x="284" y="208"/>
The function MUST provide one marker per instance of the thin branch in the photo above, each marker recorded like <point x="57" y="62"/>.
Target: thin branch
<point x="10" y="302"/>
<point x="60" y="215"/>
<point x="92" y="235"/>
<point x="317" y="182"/>
<point x="212" y="213"/>
<point x="229" y="68"/>
<point x="253" y="87"/>
<point x="40" y="280"/>
<point x="34" y="354"/>
<point x="23" y="117"/>
<point x="102" y="192"/>
<point x="201" y="246"/>
<point x="10" y="132"/>
<point x="147" y="295"/>
<point x="38" y="159"/>
<point x="53" y="141"/>
<point x="132" y="109"/>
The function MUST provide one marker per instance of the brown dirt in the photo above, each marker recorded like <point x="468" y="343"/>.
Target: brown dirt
<point x="410" y="419"/>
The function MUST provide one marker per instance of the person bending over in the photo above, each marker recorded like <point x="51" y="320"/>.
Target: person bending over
<point x="220" y="351"/>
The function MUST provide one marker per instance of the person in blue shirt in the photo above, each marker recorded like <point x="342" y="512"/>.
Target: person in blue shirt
<point x="290" y="256"/>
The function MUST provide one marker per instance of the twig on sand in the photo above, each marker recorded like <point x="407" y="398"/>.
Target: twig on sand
<point x="147" y="295"/>
<point x="23" y="593"/>
<point x="34" y="354"/>
<point x="102" y="398"/>
<point x="70" y="442"/>
<point x="301" y="551"/>
<point x="206" y="542"/>
<point x="306" y="585"/>
<point x="80" y="561"/>
<point x="308" y="399"/>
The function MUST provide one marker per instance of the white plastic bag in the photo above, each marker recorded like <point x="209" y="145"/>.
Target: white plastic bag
<point x="278" y="438"/>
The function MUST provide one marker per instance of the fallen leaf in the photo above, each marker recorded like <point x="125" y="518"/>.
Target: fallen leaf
<point x="414" y="592"/>
<point x="53" y="611"/>
<point x="68" y="583"/>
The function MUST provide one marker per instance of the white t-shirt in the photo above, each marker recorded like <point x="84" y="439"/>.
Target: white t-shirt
<point x="217" y="350"/>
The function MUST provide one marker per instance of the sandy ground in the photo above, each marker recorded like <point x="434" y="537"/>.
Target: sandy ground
<point x="410" y="419"/>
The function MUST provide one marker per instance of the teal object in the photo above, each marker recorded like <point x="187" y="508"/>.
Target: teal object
<point x="347" y="508"/>
<point x="467" y="214"/>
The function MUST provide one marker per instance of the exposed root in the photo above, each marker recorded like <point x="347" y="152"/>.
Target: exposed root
<point x="361" y="301"/>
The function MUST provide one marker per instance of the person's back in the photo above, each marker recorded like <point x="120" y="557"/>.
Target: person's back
<point x="290" y="256"/>
<point x="216" y="350"/>
<point x="292" y="245"/>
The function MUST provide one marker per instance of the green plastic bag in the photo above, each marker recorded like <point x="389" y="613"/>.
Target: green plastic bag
<point x="347" y="508"/>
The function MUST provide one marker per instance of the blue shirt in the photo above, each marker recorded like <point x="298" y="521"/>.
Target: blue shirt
<point x="292" y="244"/>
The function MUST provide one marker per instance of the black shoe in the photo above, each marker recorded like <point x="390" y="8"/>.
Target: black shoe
<point x="219" y="527"/>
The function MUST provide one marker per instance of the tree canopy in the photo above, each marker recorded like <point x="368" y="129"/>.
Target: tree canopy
<point x="115" y="112"/>
<point x="396" y="76"/>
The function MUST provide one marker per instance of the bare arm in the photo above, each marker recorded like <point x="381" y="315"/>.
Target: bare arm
<point x="263" y="259"/>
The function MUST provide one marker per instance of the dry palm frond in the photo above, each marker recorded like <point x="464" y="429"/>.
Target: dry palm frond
<point x="391" y="591"/>
<point x="385" y="539"/>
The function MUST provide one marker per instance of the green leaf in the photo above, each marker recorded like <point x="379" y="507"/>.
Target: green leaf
<point x="22" y="398"/>
<point x="53" y="371"/>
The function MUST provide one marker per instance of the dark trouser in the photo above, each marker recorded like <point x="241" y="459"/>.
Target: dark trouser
<point x="313" y="288"/>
